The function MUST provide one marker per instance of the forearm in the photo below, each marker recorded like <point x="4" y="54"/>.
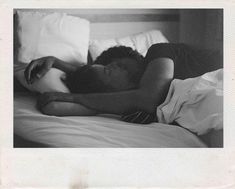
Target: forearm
<point x="122" y="102"/>
<point x="67" y="67"/>
<point x="114" y="103"/>
<point x="67" y="109"/>
<point x="152" y="91"/>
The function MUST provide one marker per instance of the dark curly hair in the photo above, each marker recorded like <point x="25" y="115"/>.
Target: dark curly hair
<point x="118" y="52"/>
<point x="85" y="79"/>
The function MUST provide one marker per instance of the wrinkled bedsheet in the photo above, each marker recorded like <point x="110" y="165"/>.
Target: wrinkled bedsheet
<point x="93" y="131"/>
<point x="195" y="103"/>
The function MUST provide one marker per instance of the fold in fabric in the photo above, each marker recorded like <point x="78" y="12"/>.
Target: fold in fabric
<point x="195" y="103"/>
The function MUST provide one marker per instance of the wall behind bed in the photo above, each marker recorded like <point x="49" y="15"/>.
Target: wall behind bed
<point x="110" y="23"/>
<point x="202" y="28"/>
<point x="198" y="27"/>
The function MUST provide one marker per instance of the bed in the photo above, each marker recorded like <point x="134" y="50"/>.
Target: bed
<point x="93" y="131"/>
<point x="33" y="129"/>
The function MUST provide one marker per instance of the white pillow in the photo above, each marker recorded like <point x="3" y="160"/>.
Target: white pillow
<point x="52" y="34"/>
<point x="50" y="82"/>
<point x="140" y="42"/>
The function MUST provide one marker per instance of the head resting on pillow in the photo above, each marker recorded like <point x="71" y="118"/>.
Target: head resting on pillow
<point x="116" y="69"/>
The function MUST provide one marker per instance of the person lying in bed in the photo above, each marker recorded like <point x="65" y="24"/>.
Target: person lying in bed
<point x="128" y="84"/>
<point x="116" y="69"/>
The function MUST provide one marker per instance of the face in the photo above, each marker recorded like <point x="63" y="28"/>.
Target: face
<point x="117" y="73"/>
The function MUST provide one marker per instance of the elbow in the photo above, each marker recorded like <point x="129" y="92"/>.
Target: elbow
<point x="49" y="109"/>
<point x="146" y="101"/>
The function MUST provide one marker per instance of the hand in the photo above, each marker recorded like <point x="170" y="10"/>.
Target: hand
<point x="38" y="68"/>
<point x="48" y="97"/>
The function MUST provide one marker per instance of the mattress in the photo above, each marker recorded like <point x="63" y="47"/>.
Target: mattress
<point x="94" y="131"/>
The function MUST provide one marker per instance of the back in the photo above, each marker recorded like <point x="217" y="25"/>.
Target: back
<point x="188" y="61"/>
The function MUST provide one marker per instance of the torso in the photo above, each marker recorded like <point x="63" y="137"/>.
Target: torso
<point x="188" y="61"/>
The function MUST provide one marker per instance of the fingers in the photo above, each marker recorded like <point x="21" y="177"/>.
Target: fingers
<point x="38" y="68"/>
<point x="31" y="72"/>
<point x="28" y="70"/>
<point x="41" y="72"/>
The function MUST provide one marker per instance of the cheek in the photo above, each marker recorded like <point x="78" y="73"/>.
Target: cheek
<point x="124" y="82"/>
<point x="119" y="80"/>
<point x="118" y="75"/>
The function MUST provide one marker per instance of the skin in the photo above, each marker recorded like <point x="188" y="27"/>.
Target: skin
<point x="116" y="74"/>
<point x="153" y="88"/>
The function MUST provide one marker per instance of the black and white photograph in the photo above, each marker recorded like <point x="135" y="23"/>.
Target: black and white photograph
<point x="118" y="78"/>
<point x="112" y="94"/>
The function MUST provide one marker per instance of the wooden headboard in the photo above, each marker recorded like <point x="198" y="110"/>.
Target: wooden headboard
<point x="112" y="23"/>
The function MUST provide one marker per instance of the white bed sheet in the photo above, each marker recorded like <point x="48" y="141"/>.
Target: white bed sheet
<point x="93" y="131"/>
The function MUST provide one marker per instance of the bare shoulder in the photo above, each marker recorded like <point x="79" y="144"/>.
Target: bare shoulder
<point x="157" y="69"/>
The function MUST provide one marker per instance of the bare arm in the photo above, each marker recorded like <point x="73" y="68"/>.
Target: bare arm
<point x="153" y="88"/>
<point x="67" y="67"/>
<point x="152" y="91"/>
<point x="39" y="67"/>
<point x="67" y="109"/>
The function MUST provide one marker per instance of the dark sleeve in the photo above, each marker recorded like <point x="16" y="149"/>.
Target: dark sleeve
<point x="139" y="117"/>
<point x="160" y="50"/>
